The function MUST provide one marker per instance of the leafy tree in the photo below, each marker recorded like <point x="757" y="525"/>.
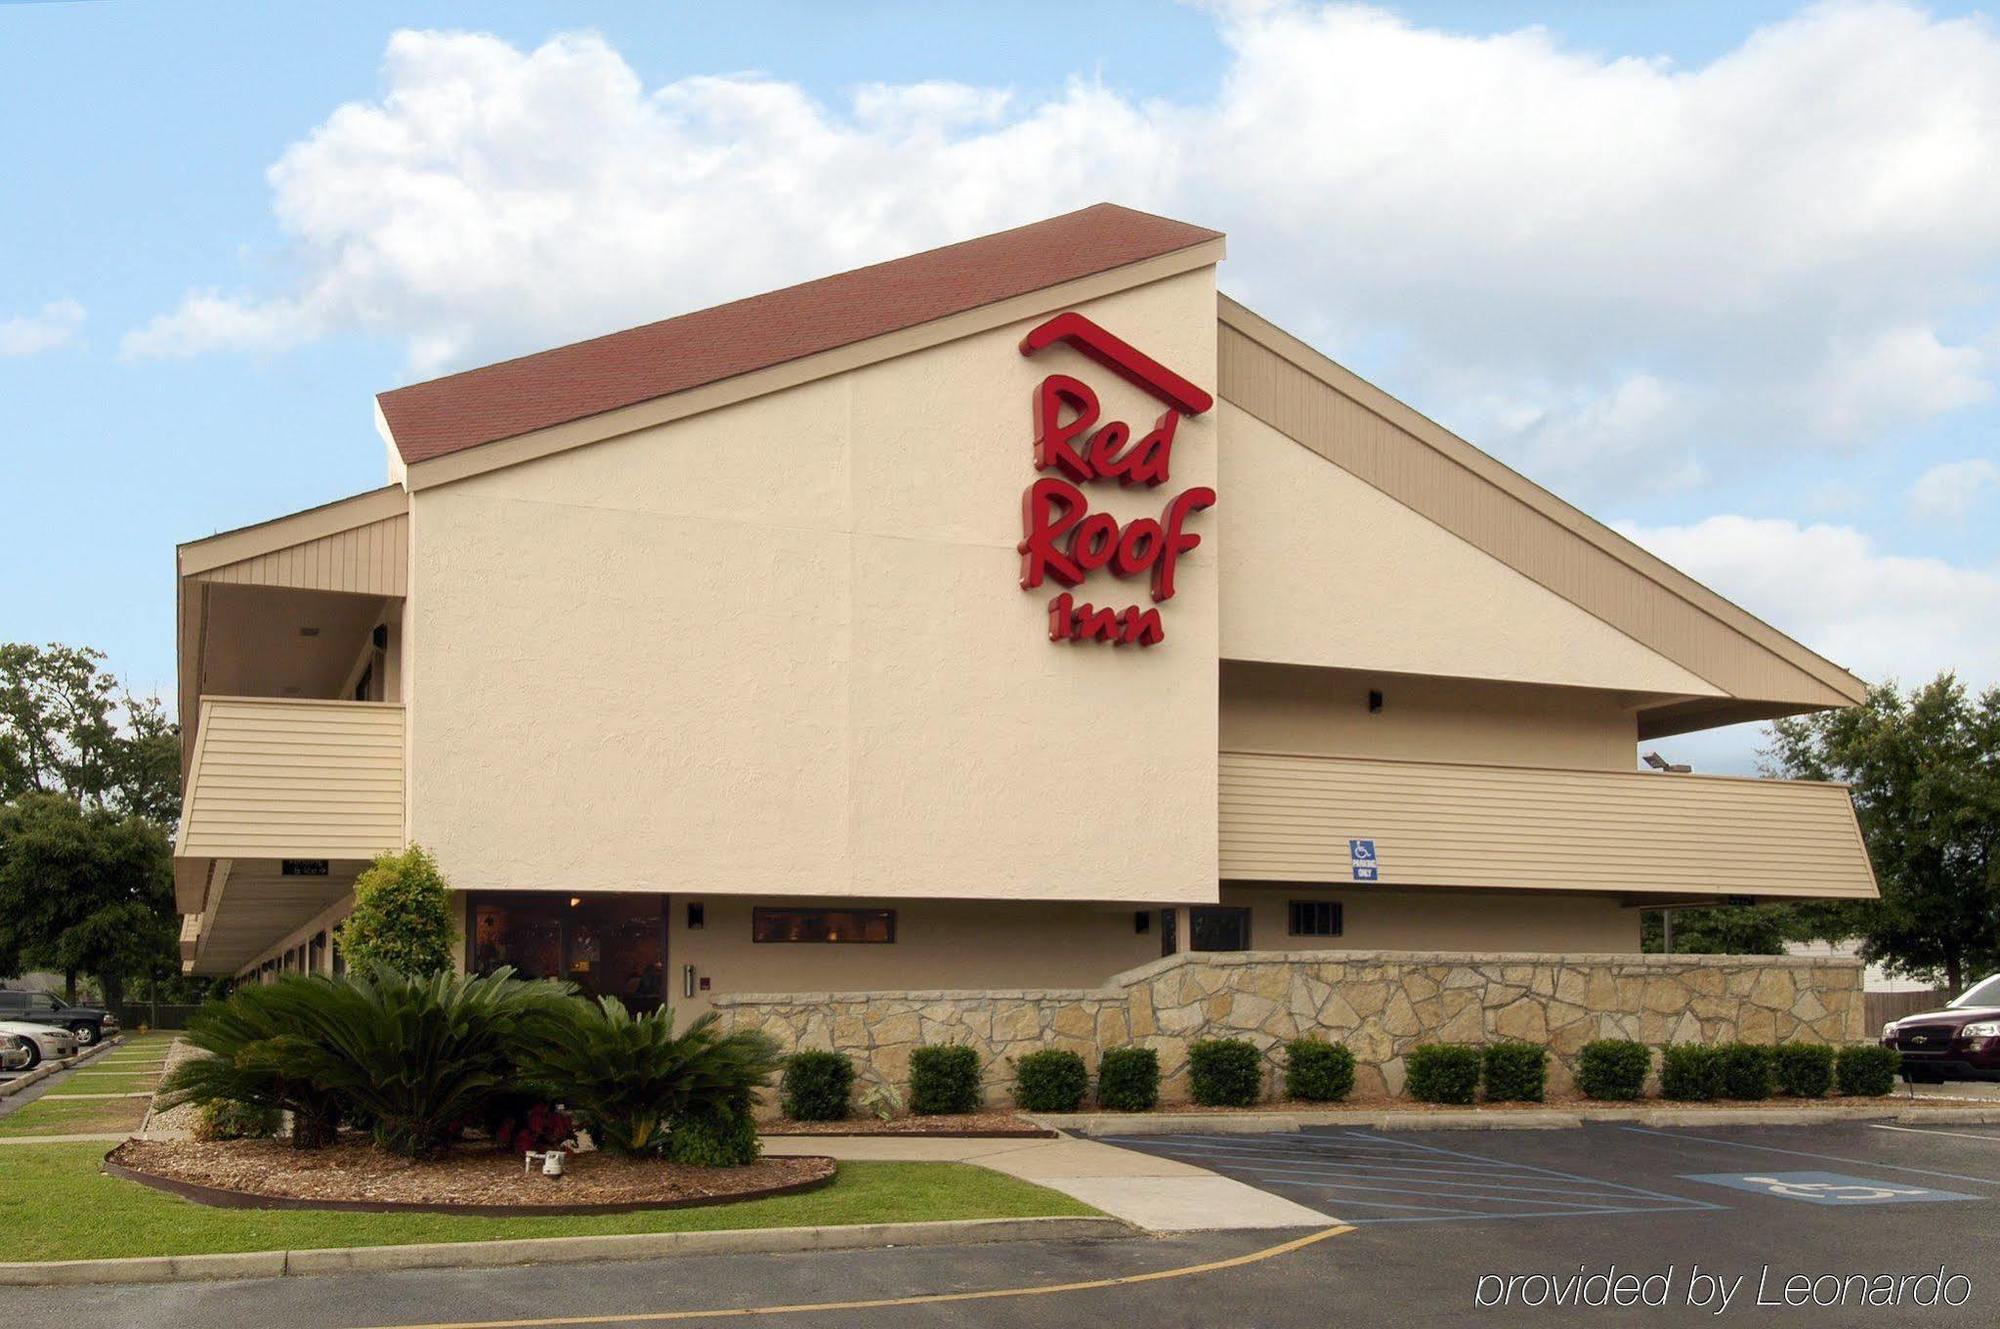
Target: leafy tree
<point x="1757" y="929"/>
<point x="83" y="890"/>
<point x="401" y="919"/>
<point x="1925" y="771"/>
<point x="68" y="727"/>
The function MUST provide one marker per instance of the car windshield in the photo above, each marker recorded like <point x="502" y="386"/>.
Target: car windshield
<point x="1986" y="993"/>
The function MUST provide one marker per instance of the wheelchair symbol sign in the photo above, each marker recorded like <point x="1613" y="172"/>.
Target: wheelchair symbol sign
<point x="1827" y="1188"/>
<point x="1362" y="855"/>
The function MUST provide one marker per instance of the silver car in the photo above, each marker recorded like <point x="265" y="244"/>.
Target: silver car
<point x="45" y="1041"/>
<point x="16" y="1053"/>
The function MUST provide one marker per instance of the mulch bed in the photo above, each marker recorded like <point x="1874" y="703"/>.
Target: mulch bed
<point x="270" y="1174"/>
<point x="997" y="1125"/>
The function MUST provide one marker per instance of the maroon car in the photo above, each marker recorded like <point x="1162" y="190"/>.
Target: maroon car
<point x="1960" y="1042"/>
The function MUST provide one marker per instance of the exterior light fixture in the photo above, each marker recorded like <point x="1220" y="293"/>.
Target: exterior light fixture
<point x="1374" y="702"/>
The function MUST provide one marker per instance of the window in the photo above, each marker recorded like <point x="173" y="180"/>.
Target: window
<point x="1214" y="928"/>
<point x="1315" y="918"/>
<point x="855" y="925"/>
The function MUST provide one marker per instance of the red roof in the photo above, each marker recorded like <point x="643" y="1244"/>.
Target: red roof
<point x="447" y="415"/>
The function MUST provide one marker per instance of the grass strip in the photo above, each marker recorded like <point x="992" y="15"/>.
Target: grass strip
<point x="72" y="1117"/>
<point x="56" y="1204"/>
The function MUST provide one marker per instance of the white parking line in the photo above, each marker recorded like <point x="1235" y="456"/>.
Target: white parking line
<point x="1918" y="1130"/>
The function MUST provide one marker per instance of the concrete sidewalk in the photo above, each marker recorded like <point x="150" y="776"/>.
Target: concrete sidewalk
<point x="1157" y="1194"/>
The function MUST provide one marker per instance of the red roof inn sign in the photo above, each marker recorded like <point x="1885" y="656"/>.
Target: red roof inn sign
<point x="1061" y="538"/>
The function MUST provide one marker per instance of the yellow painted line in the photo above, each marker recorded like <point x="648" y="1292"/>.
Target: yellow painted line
<point x="880" y="1303"/>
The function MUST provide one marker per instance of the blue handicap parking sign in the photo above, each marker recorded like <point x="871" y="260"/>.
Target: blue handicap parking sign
<point x="1829" y="1188"/>
<point x="1362" y="853"/>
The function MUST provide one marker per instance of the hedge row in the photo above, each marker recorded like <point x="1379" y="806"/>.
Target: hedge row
<point x="1228" y="1072"/>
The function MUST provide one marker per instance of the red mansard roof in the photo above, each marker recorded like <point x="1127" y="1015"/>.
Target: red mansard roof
<point x="484" y="405"/>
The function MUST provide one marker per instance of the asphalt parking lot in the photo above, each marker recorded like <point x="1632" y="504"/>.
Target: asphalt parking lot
<point x="1704" y="1224"/>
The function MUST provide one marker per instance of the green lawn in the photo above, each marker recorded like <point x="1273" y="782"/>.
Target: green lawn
<point x="55" y="1204"/>
<point x="71" y="1118"/>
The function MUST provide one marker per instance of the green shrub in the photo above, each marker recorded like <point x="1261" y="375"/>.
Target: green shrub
<point x="719" y="1137"/>
<point x="1128" y="1080"/>
<point x="944" y="1079"/>
<point x="1746" y="1070"/>
<point x="224" y="1120"/>
<point x="633" y="1079"/>
<point x="420" y="1058"/>
<point x="1224" y="1072"/>
<point x="1442" y="1072"/>
<point x="1804" y="1070"/>
<point x="1866" y="1069"/>
<point x="816" y="1086"/>
<point x="245" y="1036"/>
<point x="1050" y="1080"/>
<point x="1515" y="1072"/>
<point x="401" y="919"/>
<point x="1613" y="1069"/>
<point x="1691" y="1072"/>
<point x="1318" y="1071"/>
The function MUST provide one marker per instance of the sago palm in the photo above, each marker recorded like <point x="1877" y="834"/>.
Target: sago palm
<point x="420" y="1056"/>
<point x="633" y="1077"/>
<point x="257" y="1054"/>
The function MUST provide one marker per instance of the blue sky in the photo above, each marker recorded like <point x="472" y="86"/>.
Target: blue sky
<point x="1720" y="273"/>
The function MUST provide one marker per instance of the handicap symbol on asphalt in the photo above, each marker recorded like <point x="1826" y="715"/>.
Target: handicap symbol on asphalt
<point x="1829" y="1188"/>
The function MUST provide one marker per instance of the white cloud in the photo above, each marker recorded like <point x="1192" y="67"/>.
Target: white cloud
<point x="54" y="324"/>
<point x="1951" y="490"/>
<point x="1880" y="615"/>
<point x="1611" y="270"/>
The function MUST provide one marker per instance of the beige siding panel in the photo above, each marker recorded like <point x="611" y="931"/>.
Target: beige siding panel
<point x="1677" y="618"/>
<point x="371" y="559"/>
<point x="1289" y="818"/>
<point x="294" y="779"/>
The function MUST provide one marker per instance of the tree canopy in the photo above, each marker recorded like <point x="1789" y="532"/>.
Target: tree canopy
<point x="69" y="727"/>
<point x="1925" y="772"/>
<point x="89" y="794"/>
<point x="84" y="890"/>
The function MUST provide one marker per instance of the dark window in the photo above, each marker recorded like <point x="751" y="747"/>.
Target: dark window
<point x="862" y="925"/>
<point x="1315" y="918"/>
<point x="1169" y="921"/>
<point x="365" y="684"/>
<point x="1218" y="928"/>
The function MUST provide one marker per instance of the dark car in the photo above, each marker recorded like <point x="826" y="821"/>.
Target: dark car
<point x="1960" y="1042"/>
<point x="88" y="1023"/>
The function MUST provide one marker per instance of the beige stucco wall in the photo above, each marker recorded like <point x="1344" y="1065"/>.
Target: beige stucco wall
<point x="1325" y="569"/>
<point x="992" y="944"/>
<point x="782" y="648"/>
<point x="939" y="943"/>
<point x="1324" y="712"/>
<point x="1443" y="919"/>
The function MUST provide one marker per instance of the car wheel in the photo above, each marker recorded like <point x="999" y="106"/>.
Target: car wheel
<point x="34" y="1055"/>
<point x="86" y="1034"/>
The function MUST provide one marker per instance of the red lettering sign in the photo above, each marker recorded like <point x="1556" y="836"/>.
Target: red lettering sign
<point x="1061" y="538"/>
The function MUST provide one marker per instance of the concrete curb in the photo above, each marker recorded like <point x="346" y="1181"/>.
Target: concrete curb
<point x="1476" y="1119"/>
<point x="555" y="1250"/>
<point x="48" y="1068"/>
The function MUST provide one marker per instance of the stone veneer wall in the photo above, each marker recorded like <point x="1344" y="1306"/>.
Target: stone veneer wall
<point x="1379" y="1003"/>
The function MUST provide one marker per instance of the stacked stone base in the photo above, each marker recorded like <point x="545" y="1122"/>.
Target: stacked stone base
<point x="1378" y="1003"/>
